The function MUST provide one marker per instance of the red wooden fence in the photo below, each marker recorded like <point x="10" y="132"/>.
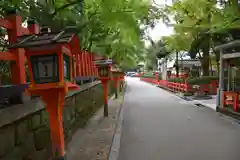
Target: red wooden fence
<point x="183" y="87"/>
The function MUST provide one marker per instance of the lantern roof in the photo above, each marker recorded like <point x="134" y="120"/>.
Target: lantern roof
<point x="103" y="62"/>
<point x="45" y="38"/>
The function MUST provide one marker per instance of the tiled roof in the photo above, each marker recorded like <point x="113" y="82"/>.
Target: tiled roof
<point x="35" y="40"/>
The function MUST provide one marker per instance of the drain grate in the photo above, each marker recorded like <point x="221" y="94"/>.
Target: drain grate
<point x="186" y="98"/>
<point x="199" y="105"/>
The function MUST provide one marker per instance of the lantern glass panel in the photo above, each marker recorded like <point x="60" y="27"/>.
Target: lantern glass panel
<point x="103" y="72"/>
<point x="66" y="61"/>
<point x="45" y="68"/>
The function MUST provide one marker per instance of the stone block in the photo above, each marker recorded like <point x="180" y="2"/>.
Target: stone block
<point x="35" y="122"/>
<point x="68" y="102"/>
<point x="14" y="154"/>
<point x="7" y="139"/>
<point x="39" y="155"/>
<point x="44" y="118"/>
<point x="21" y="131"/>
<point x="42" y="138"/>
<point x="28" y="146"/>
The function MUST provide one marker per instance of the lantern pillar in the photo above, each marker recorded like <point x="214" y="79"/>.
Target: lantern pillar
<point x="115" y="81"/>
<point x="54" y="99"/>
<point x="105" y="96"/>
<point x="156" y="76"/>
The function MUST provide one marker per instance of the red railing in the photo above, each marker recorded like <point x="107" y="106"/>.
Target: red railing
<point x="183" y="87"/>
<point x="231" y="98"/>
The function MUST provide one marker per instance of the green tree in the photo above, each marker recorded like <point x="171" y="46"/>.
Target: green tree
<point x="106" y="27"/>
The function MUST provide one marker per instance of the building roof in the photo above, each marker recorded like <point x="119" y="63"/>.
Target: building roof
<point x="37" y="40"/>
<point x="195" y="62"/>
<point x="185" y="63"/>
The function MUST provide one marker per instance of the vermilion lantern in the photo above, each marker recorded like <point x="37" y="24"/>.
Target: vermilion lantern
<point x="50" y="64"/>
<point x="103" y="67"/>
<point x="49" y="58"/>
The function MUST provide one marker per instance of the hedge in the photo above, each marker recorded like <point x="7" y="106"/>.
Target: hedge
<point x="202" y="80"/>
<point x="149" y="75"/>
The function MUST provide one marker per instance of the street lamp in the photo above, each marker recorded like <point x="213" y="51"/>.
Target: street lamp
<point x="49" y="57"/>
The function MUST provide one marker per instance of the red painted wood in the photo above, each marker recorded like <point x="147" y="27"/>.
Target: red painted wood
<point x="78" y="71"/>
<point x="55" y="108"/>
<point x="18" y="68"/>
<point x="33" y="29"/>
<point x="80" y="64"/>
<point x="83" y="64"/>
<point x="24" y="31"/>
<point x="5" y="23"/>
<point x="88" y="63"/>
<point x="9" y="56"/>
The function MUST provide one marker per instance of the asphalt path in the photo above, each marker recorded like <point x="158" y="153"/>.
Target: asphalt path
<point x="157" y="125"/>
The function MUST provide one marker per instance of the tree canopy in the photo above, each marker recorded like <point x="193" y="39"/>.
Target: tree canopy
<point x="200" y="25"/>
<point x="114" y="28"/>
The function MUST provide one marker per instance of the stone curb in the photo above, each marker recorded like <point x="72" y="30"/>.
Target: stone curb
<point x="115" y="147"/>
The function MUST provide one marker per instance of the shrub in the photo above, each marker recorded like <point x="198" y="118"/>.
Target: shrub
<point x="159" y="76"/>
<point x="176" y="80"/>
<point x="202" y="80"/>
<point x="147" y="76"/>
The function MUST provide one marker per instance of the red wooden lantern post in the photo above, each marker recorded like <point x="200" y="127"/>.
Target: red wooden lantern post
<point x="122" y="75"/>
<point x="103" y="67"/>
<point x="116" y="74"/>
<point x="156" y="76"/>
<point x="49" y="60"/>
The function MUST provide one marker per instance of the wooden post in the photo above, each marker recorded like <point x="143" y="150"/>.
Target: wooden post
<point x="78" y="70"/>
<point x="229" y="87"/>
<point x="156" y="76"/>
<point x="80" y="65"/>
<point x="105" y="96"/>
<point x="83" y="64"/>
<point x="87" y="63"/>
<point x="221" y="83"/>
<point x="115" y="80"/>
<point x="18" y="67"/>
<point x="91" y="64"/>
<point x="54" y="104"/>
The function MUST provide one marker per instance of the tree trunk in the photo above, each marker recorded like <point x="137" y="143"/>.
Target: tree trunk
<point x="205" y="57"/>
<point x="205" y="62"/>
<point x="217" y="60"/>
<point x="211" y="67"/>
<point x="177" y="66"/>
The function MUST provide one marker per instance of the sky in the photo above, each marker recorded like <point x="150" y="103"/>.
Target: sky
<point x="160" y="29"/>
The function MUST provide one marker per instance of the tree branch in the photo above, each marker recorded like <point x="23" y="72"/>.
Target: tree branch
<point x="66" y="6"/>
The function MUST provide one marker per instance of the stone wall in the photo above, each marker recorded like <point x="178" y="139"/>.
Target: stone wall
<point x="24" y="129"/>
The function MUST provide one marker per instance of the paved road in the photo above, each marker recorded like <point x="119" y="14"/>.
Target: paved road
<point x="159" y="126"/>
